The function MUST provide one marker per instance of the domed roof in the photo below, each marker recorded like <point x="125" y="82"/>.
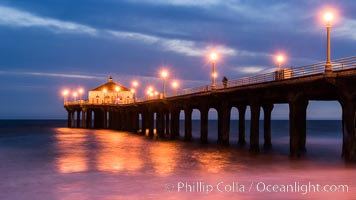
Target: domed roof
<point x="110" y="86"/>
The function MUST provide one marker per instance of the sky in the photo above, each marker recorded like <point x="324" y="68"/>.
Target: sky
<point x="46" y="46"/>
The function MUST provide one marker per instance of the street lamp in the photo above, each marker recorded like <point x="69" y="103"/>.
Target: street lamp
<point x="75" y="94"/>
<point x="279" y="73"/>
<point x="81" y="91"/>
<point x="213" y="58"/>
<point x="149" y="91"/>
<point x="65" y="95"/>
<point x="164" y="75"/>
<point x="133" y="94"/>
<point x="175" y="86"/>
<point x="328" y="17"/>
<point x="280" y="59"/>
<point x="135" y="85"/>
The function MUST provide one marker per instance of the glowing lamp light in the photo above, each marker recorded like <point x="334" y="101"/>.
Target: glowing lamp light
<point x="280" y="59"/>
<point x="134" y="83"/>
<point x="117" y="89"/>
<point x="156" y="93"/>
<point x="164" y="74"/>
<point x="65" y="92"/>
<point x="150" y="89"/>
<point x="132" y="91"/>
<point x="328" y="17"/>
<point x="104" y="90"/>
<point x="75" y="94"/>
<point x="213" y="56"/>
<point x="214" y="75"/>
<point x="175" y="84"/>
<point x="81" y="91"/>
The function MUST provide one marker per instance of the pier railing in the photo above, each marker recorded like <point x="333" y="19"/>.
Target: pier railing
<point x="284" y="74"/>
<point x="279" y="75"/>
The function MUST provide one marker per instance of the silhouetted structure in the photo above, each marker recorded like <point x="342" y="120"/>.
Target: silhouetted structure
<point x="262" y="91"/>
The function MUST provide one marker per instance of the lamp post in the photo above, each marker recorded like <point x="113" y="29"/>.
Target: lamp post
<point x="75" y="94"/>
<point x="135" y="85"/>
<point x="175" y="86"/>
<point x="149" y="92"/>
<point x="133" y="94"/>
<point x="213" y="58"/>
<point x="117" y="89"/>
<point x="328" y="17"/>
<point x="81" y="91"/>
<point x="164" y="75"/>
<point x="280" y="60"/>
<point x="279" y="73"/>
<point x="65" y="96"/>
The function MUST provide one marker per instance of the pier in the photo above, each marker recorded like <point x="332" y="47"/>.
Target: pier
<point x="160" y="116"/>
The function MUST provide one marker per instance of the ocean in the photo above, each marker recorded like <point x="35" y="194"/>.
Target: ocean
<point x="42" y="159"/>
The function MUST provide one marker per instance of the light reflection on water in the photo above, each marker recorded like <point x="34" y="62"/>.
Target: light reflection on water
<point x="72" y="151"/>
<point x="103" y="164"/>
<point x="164" y="157"/>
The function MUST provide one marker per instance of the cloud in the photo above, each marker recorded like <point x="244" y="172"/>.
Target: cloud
<point x="60" y="75"/>
<point x="347" y="29"/>
<point x="14" y="17"/>
<point x="185" y="3"/>
<point x="250" y="69"/>
<point x="18" y="18"/>
<point x="185" y="47"/>
<point x="134" y="36"/>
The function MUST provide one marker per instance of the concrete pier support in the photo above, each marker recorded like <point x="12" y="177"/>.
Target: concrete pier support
<point x="115" y="120"/>
<point x="167" y="123"/>
<point x="84" y="120"/>
<point x="220" y="120"/>
<point x="89" y="118"/>
<point x="72" y="119"/>
<point x="348" y="105"/>
<point x="135" y="121"/>
<point x="188" y="123"/>
<point x="110" y="119"/>
<point x="242" y="113"/>
<point x="129" y="122"/>
<point x="204" y="112"/>
<point x="255" y="126"/>
<point x="267" y="110"/>
<point x="96" y="119"/>
<point x="297" y="125"/>
<point x="78" y="118"/>
<point x="224" y="127"/>
<point x="151" y="120"/>
<point x="105" y="119"/>
<point x="123" y="120"/>
<point x="144" y="122"/>
<point x="160" y="124"/>
<point x="119" y="120"/>
<point x="69" y="121"/>
<point x="175" y="119"/>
